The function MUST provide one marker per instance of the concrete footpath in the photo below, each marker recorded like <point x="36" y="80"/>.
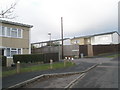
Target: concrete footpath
<point x="82" y="64"/>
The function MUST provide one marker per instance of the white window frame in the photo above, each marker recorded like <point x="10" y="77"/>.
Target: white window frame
<point x="15" y="31"/>
<point x="21" y="33"/>
<point x="11" y="29"/>
<point x="6" y="32"/>
<point x="11" y="51"/>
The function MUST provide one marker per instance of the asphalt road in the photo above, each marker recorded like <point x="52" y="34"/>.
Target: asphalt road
<point x="103" y="76"/>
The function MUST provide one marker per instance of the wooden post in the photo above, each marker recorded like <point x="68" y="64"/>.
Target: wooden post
<point x="18" y="66"/>
<point x="51" y="64"/>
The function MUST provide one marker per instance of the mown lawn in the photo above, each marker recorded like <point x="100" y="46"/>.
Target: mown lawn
<point x="39" y="67"/>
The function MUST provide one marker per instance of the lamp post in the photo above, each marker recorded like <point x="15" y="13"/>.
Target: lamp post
<point x="50" y="38"/>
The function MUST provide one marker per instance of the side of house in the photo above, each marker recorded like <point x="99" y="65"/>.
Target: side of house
<point x="15" y="39"/>
<point x="98" y="39"/>
<point x="85" y="40"/>
<point x="97" y="43"/>
<point x="105" y="38"/>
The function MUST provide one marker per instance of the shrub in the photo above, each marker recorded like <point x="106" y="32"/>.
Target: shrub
<point x="3" y="60"/>
<point x="25" y="58"/>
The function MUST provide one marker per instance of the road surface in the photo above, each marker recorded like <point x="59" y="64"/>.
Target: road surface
<point x="103" y="76"/>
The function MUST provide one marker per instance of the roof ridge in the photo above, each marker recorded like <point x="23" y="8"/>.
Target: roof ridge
<point x="97" y="34"/>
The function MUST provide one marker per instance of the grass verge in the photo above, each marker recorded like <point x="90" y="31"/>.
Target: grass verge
<point x="40" y="67"/>
<point x="113" y="56"/>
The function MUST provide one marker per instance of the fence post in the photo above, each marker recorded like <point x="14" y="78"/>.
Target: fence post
<point x="81" y="55"/>
<point x="51" y="64"/>
<point x="18" y="66"/>
<point x="72" y="60"/>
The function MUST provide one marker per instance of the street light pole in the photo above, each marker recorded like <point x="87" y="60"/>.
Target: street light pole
<point x="50" y="38"/>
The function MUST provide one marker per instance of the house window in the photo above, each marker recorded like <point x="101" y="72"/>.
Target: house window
<point x="14" y="32"/>
<point x="8" y="31"/>
<point x="8" y="52"/>
<point x="19" y="33"/>
<point x="3" y="31"/>
<point x="19" y="51"/>
<point x="12" y="51"/>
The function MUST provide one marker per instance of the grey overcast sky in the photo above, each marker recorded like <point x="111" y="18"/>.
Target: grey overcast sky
<point x="80" y="17"/>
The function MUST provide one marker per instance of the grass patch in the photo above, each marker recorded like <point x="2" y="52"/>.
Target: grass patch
<point x="40" y="67"/>
<point x="113" y="56"/>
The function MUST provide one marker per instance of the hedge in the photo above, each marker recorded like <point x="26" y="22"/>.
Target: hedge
<point x="25" y="58"/>
<point x="3" y="60"/>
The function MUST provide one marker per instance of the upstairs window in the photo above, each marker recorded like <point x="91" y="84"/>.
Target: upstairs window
<point x="3" y="31"/>
<point x="10" y="32"/>
<point x="14" y="32"/>
<point x="19" y="33"/>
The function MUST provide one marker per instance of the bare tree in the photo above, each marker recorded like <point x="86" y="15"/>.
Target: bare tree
<point x="8" y="13"/>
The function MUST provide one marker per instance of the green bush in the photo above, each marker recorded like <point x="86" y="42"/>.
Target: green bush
<point x="25" y="58"/>
<point x="4" y="58"/>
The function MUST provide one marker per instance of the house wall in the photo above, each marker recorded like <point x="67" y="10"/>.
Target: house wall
<point x="0" y="37"/>
<point x="79" y="41"/>
<point x="101" y="39"/>
<point x="87" y="41"/>
<point x="12" y="42"/>
<point x="16" y="42"/>
<point x="0" y="41"/>
<point x="67" y="42"/>
<point x="116" y="38"/>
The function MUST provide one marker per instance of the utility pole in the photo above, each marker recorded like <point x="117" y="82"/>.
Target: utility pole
<point x="62" y="36"/>
<point x="50" y="43"/>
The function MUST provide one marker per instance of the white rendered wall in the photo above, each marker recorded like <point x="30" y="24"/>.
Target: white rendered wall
<point x="67" y="42"/>
<point x="101" y="39"/>
<point x="115" y="38"/>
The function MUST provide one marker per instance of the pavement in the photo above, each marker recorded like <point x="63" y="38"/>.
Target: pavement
<point x="103" y="76"/>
